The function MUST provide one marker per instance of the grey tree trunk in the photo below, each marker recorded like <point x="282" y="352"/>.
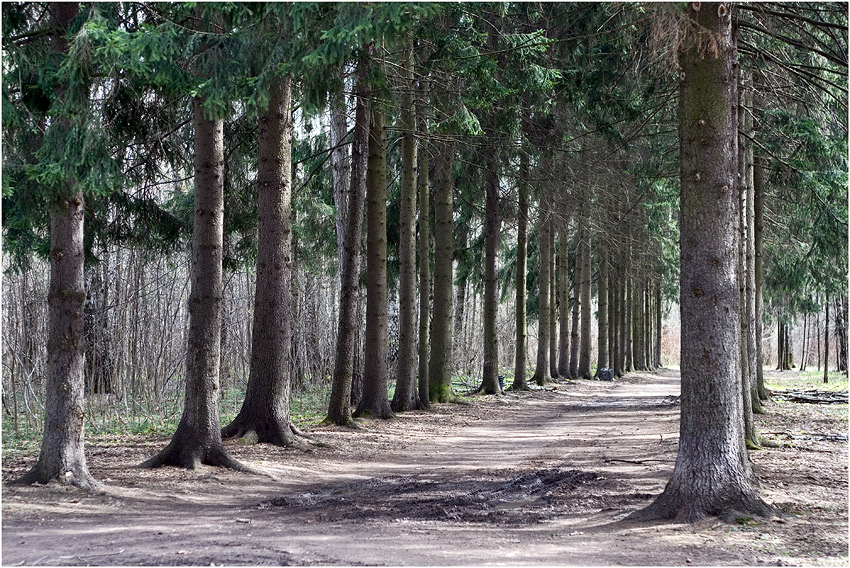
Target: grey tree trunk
<point x="602" y="313"/>
<point x="553" y="305"/>
<point x="440" y="371"/>
<point x="490" y="376"/>
<point x="564" y="305"/>
<point x="711" y="475"/>
<point x="340" y="164"/>
<point x="374" y="401"/>
<point x="98" y="336"/>
<point x="541" y="371"/>
<point x="584" y="348"/>
<point x="61" y="456"/>
<point x="825" y="343"/>
<point x="198" y="437"/>
<point x="628" y="327"/>
<point x="406" y="396"/>
<point x="339" y="406"/>
<point x="424" y="249"/>
<point x="623" y="322"/>
<point x="758" y="232"/>
<point x="574" y="336"/>
<point x="264" y="415"/>
<point x="521" y="270"/>
<point x="658" y="314"/>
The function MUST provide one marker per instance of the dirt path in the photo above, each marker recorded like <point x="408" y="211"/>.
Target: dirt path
<point x="531" y="478"/>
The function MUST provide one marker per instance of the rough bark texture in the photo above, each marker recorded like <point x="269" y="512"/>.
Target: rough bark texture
<point x="340" y="164"/>
<point x="553" y="304"/>
<point x="198" y="437"/>
<point x="374" y="402"/>
<point x="753" y="360"/>
<point x="406" y="396"/>
<point x="623" y="339"/>
<point x="490" y="375"/>
<point x="424" y="250"/>
<point x="758" y="270"/>
<point x="574" y="337"/>
<point x="628" y="331"/>
<point x="62" y="457"/>
<point x="564" y="305"/>
<point x="521" y="270"/>
<point x="542" y="369"/>
<point x="584" y="348"/>
<point x="339" y="407"/>
<point x="264" y="415"/>
<point x="711" y="474"/>
<point x="825" y="343"/>
<point x="602" y="313"/>
<point x="440" y="375"/>
<point x="658" y="314"/>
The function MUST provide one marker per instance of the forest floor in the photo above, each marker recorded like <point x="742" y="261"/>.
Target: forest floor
<point x="543" y="477"/>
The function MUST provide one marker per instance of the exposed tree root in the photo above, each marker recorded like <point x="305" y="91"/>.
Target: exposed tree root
<point x="519" y="388"/>
<point x="346" y="422"/>
<point x="191" y="456"/>
<point x="730" y="507"/>
<point x="76" y="476"/>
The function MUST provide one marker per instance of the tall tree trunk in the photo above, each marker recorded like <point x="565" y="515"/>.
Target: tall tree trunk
<point x="340" y="164"/>
<point x="198" y="436"/>
<point x="424" y="248"/>
<point x="758" y="269"/>
<point x="264" y="415"/>
<point x="711" y="475"/>
<point x="440" y="371"/>
<point x="62" y="457"/>
<point x="585" y="346"/>
<point x="544" y="311"/>
<point x="841" y="332"/>
<point x="490" y="375"/>
<point x="574" y="331"/>
<point x="612" y="318"/>
<point x="460" y="339"/>
<point x="658" y="314"/>
<point x="628" y="327"/>
<point x="521" y="272"/>
<point x="374" y="402"/>
<point x="564" y="305"/>
<point x="826" y="342"/>
<point x="622" y="315"/>
<point x="553" y="304"/>
<point x="804" y="351"/>
<point x="602" y="311"/>
<point x="406" y="396"/>
<point x="347" y="345"/>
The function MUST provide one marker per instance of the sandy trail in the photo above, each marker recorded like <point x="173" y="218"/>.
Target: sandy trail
<point x="530" y="478"/>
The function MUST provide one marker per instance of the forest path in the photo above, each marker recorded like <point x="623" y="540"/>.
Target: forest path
<point x="544" y="477"/>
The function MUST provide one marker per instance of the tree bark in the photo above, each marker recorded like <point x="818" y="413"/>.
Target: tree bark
<point x="564" y="305"/>
<point x="345" y="367"/>
<point x="826" y="342"/>
<point x="711" y="475"/>
<point x="574" y="332"/>
<point x="758" y="269"/>
<point x="198" y="437"/>
<point x="602" y="311"/>
<point x="544" y="311"/>
<point x="424" y="249"/>
<point x="490" y="375"/>
<point x="264" y="415"/>
<point x="658" y="314"/>
<point x="553" y="305"/>
<point x="374" y="402"/>
<point x="61" y="456"/>
<point x="585" y="346"/>
<point x="440" y="372"/>
<point x="340" y="164"/>
<point x="521" y="272"/>
<point x="406" y="396"/>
